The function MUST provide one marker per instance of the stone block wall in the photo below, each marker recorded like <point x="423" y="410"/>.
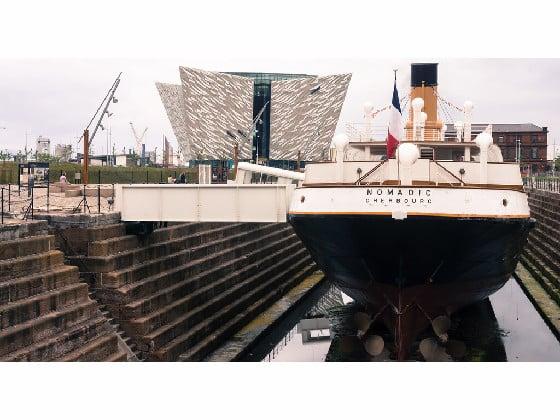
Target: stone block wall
<point x="541" y="255"/>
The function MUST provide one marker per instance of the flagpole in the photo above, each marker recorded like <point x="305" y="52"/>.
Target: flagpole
<point x="398" y="160"/>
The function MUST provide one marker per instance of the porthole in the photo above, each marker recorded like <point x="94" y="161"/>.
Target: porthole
<point x="504" y="202"/>
<point x="302" y="198"/>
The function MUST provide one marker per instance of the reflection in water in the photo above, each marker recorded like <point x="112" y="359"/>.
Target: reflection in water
<point x="505" y="328"/>
<point x="526" y="336"/>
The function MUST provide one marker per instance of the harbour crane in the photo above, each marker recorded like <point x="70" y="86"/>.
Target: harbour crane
<point x="139" y="139"/>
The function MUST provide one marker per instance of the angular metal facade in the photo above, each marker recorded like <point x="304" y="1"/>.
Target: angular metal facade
<point x="209" y="105"/>
<point x="172" y="99"/>
<point x="304" y="115"/>
<point x="214" y="103"/>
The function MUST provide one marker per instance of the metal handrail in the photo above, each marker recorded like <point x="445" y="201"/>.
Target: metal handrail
<point x="371" y="171"/>
<point x="449" y="172"/>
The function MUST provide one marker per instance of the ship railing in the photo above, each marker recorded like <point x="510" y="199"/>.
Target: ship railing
<point x="428" y="171"/>
<point x="551" y="184"/>
<point x="367" y="132"/>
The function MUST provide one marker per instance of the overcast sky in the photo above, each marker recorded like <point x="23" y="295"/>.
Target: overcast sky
<point x="57" y="97"/>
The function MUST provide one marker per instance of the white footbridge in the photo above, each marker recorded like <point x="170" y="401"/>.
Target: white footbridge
<point x="236" y="201"/>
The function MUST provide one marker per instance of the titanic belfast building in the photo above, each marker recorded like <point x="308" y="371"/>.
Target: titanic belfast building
<point x="272" y="117"/>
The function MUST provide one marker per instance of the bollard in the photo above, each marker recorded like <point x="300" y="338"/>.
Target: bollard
<point x="9" y="198"/>
<point x="98" y="199"/>
<point x="132" y="177"/>
<point x="32" y="202"/>
<point x="147" y="182"/>
<point x="48" y="194"/>
<point x="84" y="197"/>
<point x="2" y="205"/>
<point x="161" y="177"/>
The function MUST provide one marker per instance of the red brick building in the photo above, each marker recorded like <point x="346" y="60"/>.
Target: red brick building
<point x="529" y="139"/>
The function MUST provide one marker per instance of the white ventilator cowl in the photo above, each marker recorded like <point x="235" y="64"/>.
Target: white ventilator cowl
<point x="408" y="154"/>
<point x="340" y="141"/>
<point x="417" y="104"/>
<point x="468" y="106"/>
<point x="483" y="140"/>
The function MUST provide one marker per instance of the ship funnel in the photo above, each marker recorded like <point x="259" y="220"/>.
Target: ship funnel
<point x="424" y="85"/>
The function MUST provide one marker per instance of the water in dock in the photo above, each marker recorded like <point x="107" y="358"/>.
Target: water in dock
<point x="505" y="327"/>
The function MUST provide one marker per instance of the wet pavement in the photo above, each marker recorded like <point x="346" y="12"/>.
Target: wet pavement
<point x="505" y="327"/>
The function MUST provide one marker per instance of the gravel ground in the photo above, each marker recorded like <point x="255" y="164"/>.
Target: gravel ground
<point x="55" y="202"/>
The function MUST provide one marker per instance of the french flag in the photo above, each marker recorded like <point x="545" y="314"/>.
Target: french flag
<point x="396" y="130"/>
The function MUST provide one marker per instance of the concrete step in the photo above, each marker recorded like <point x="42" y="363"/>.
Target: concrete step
<point x="546" y="254"/>
<point x="545" y="196"/>
<point x="37" y="283"/>
<point x="546" y="231"/>
<point x="166" y="338"/>
<point x="35" y="330"/>
<point x="126" y="259"/>
<point x="14" y="313"/>
<point x="13" y="231"/>
<point x="75" y="240"/>
<point x="214" y="287"/>
<point x="169" y="295"/>
<point x="96" y="350"/>
<point x="551" y="242"/>
<point x="542" y="217"/>
<point x="541" y="266"/>
<point x="128" y="242"/>
<point x="64" y="342"/>
<point x="232" y="326"/>
<point x="153" y="284"/>
<point x="129" y="275"/>
<point x="541" y="274"/>
<point x="211" y="332"/>
<point x="119" y="356"/>
<point x="31" y="264"/>
<point x="102" y="232"/>
<point x="26" y="246"/>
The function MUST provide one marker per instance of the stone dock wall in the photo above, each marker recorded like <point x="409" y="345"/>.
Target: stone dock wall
<point x="46" y="312"/>
<point x="539" y="271"/>
<point x="177" y="293"/>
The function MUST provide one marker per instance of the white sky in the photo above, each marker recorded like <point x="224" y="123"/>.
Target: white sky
<point x="58" y="58"/>
<point x="57" y="97"/>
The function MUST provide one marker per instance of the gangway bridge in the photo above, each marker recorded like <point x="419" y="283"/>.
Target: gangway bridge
<point x="237" y="201"/>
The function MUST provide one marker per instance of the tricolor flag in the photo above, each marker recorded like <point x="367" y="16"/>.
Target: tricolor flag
<point x="396" y="131"/>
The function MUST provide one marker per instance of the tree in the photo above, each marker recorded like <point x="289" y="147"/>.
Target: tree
<point x="5" y="155"/>
<point x="45" y="157"/>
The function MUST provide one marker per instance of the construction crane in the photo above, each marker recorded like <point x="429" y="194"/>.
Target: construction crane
<point x="139" y="139"/>
<point x="107" y="100"/>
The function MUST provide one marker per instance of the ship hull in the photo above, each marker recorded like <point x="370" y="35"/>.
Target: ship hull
<point x="407" y="272"/>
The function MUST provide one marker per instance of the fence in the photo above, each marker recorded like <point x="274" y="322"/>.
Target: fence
<point x="104" y="174"/>
<point x="23" y="201"/>
<point x="545" y="184"/>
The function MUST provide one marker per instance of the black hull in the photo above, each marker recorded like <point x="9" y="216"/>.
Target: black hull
<point x="407" y="272"/>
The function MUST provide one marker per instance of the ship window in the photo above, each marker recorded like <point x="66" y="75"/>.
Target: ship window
<point x="500" y="139"/>
<point x="534" y="138"/>
<point x="534" y="153"/>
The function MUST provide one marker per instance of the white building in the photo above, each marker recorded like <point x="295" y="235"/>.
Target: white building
<point x="43" y="145"/>
<point x="63" y="151"/>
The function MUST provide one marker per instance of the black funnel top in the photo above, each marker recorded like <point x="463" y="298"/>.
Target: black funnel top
<point x="423" y="72"/>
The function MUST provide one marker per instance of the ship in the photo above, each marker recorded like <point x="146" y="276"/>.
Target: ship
<point x="416" y="236"/>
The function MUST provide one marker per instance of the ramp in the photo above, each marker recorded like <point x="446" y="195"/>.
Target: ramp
<point x="264" y="203"/>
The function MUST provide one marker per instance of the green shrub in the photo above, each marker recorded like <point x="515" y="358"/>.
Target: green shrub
<point x="104" y="174"/>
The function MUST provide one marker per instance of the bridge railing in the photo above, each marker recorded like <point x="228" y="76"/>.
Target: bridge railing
<point x="542" y="183"/>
